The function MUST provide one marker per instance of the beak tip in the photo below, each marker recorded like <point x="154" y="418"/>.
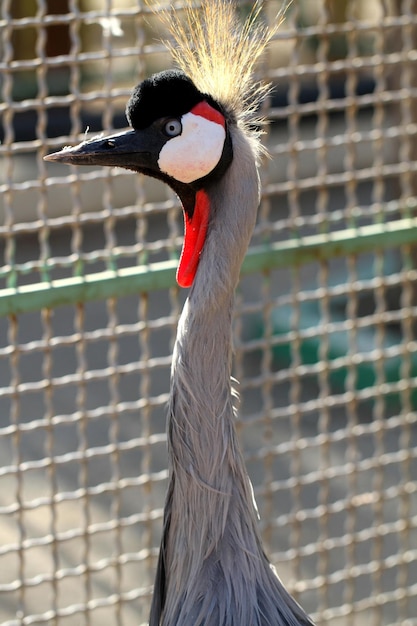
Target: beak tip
<point x="50" y="157"/>
<point x="62" y="156"/>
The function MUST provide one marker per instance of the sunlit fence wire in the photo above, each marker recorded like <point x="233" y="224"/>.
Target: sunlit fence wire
<point x="325" y="332"/>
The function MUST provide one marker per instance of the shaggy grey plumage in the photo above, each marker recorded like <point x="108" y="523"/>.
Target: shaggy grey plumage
<point x="212" y="570"/>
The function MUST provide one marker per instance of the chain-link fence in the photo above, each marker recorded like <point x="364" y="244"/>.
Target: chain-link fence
<point x="325" y="331"/>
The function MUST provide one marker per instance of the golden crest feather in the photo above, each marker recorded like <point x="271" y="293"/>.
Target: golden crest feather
<point x="219" y="52"/>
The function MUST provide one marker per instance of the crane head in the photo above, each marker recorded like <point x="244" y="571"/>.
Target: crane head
<point x="178" y="135"/>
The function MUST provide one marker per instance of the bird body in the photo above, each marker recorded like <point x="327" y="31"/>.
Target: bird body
<point x="191" y="129"/>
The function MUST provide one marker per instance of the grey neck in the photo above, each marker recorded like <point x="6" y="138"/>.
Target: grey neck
<point x="212" y="570"/>
<point x="206" y="462"/>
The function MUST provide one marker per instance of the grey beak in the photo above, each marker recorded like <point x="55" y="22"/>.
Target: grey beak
<point x="131" y="149"/>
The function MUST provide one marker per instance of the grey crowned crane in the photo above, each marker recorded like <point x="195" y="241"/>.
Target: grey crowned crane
<point x="192" y="128"/>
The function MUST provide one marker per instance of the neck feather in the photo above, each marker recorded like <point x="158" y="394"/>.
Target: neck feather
<point x="206" y="463"/>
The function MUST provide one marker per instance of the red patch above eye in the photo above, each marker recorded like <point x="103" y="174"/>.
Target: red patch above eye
<point x="205" y="110"/>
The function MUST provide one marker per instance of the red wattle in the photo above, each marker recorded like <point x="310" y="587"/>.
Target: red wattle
<point x="195" y="231"/>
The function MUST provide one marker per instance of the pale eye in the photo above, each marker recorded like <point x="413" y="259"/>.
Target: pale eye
<point x="173" y="128"/>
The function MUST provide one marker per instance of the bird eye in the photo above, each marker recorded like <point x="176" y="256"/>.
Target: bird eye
<point x="173" y="128"/>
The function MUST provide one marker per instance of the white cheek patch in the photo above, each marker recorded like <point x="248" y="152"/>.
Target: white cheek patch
<point x="194" y="153"/>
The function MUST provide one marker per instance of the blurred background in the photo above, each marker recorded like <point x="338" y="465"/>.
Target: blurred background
<point x="324" y="330"/>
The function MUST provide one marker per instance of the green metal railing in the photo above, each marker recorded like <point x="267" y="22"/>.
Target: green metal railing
<point x="155" y="276"/>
